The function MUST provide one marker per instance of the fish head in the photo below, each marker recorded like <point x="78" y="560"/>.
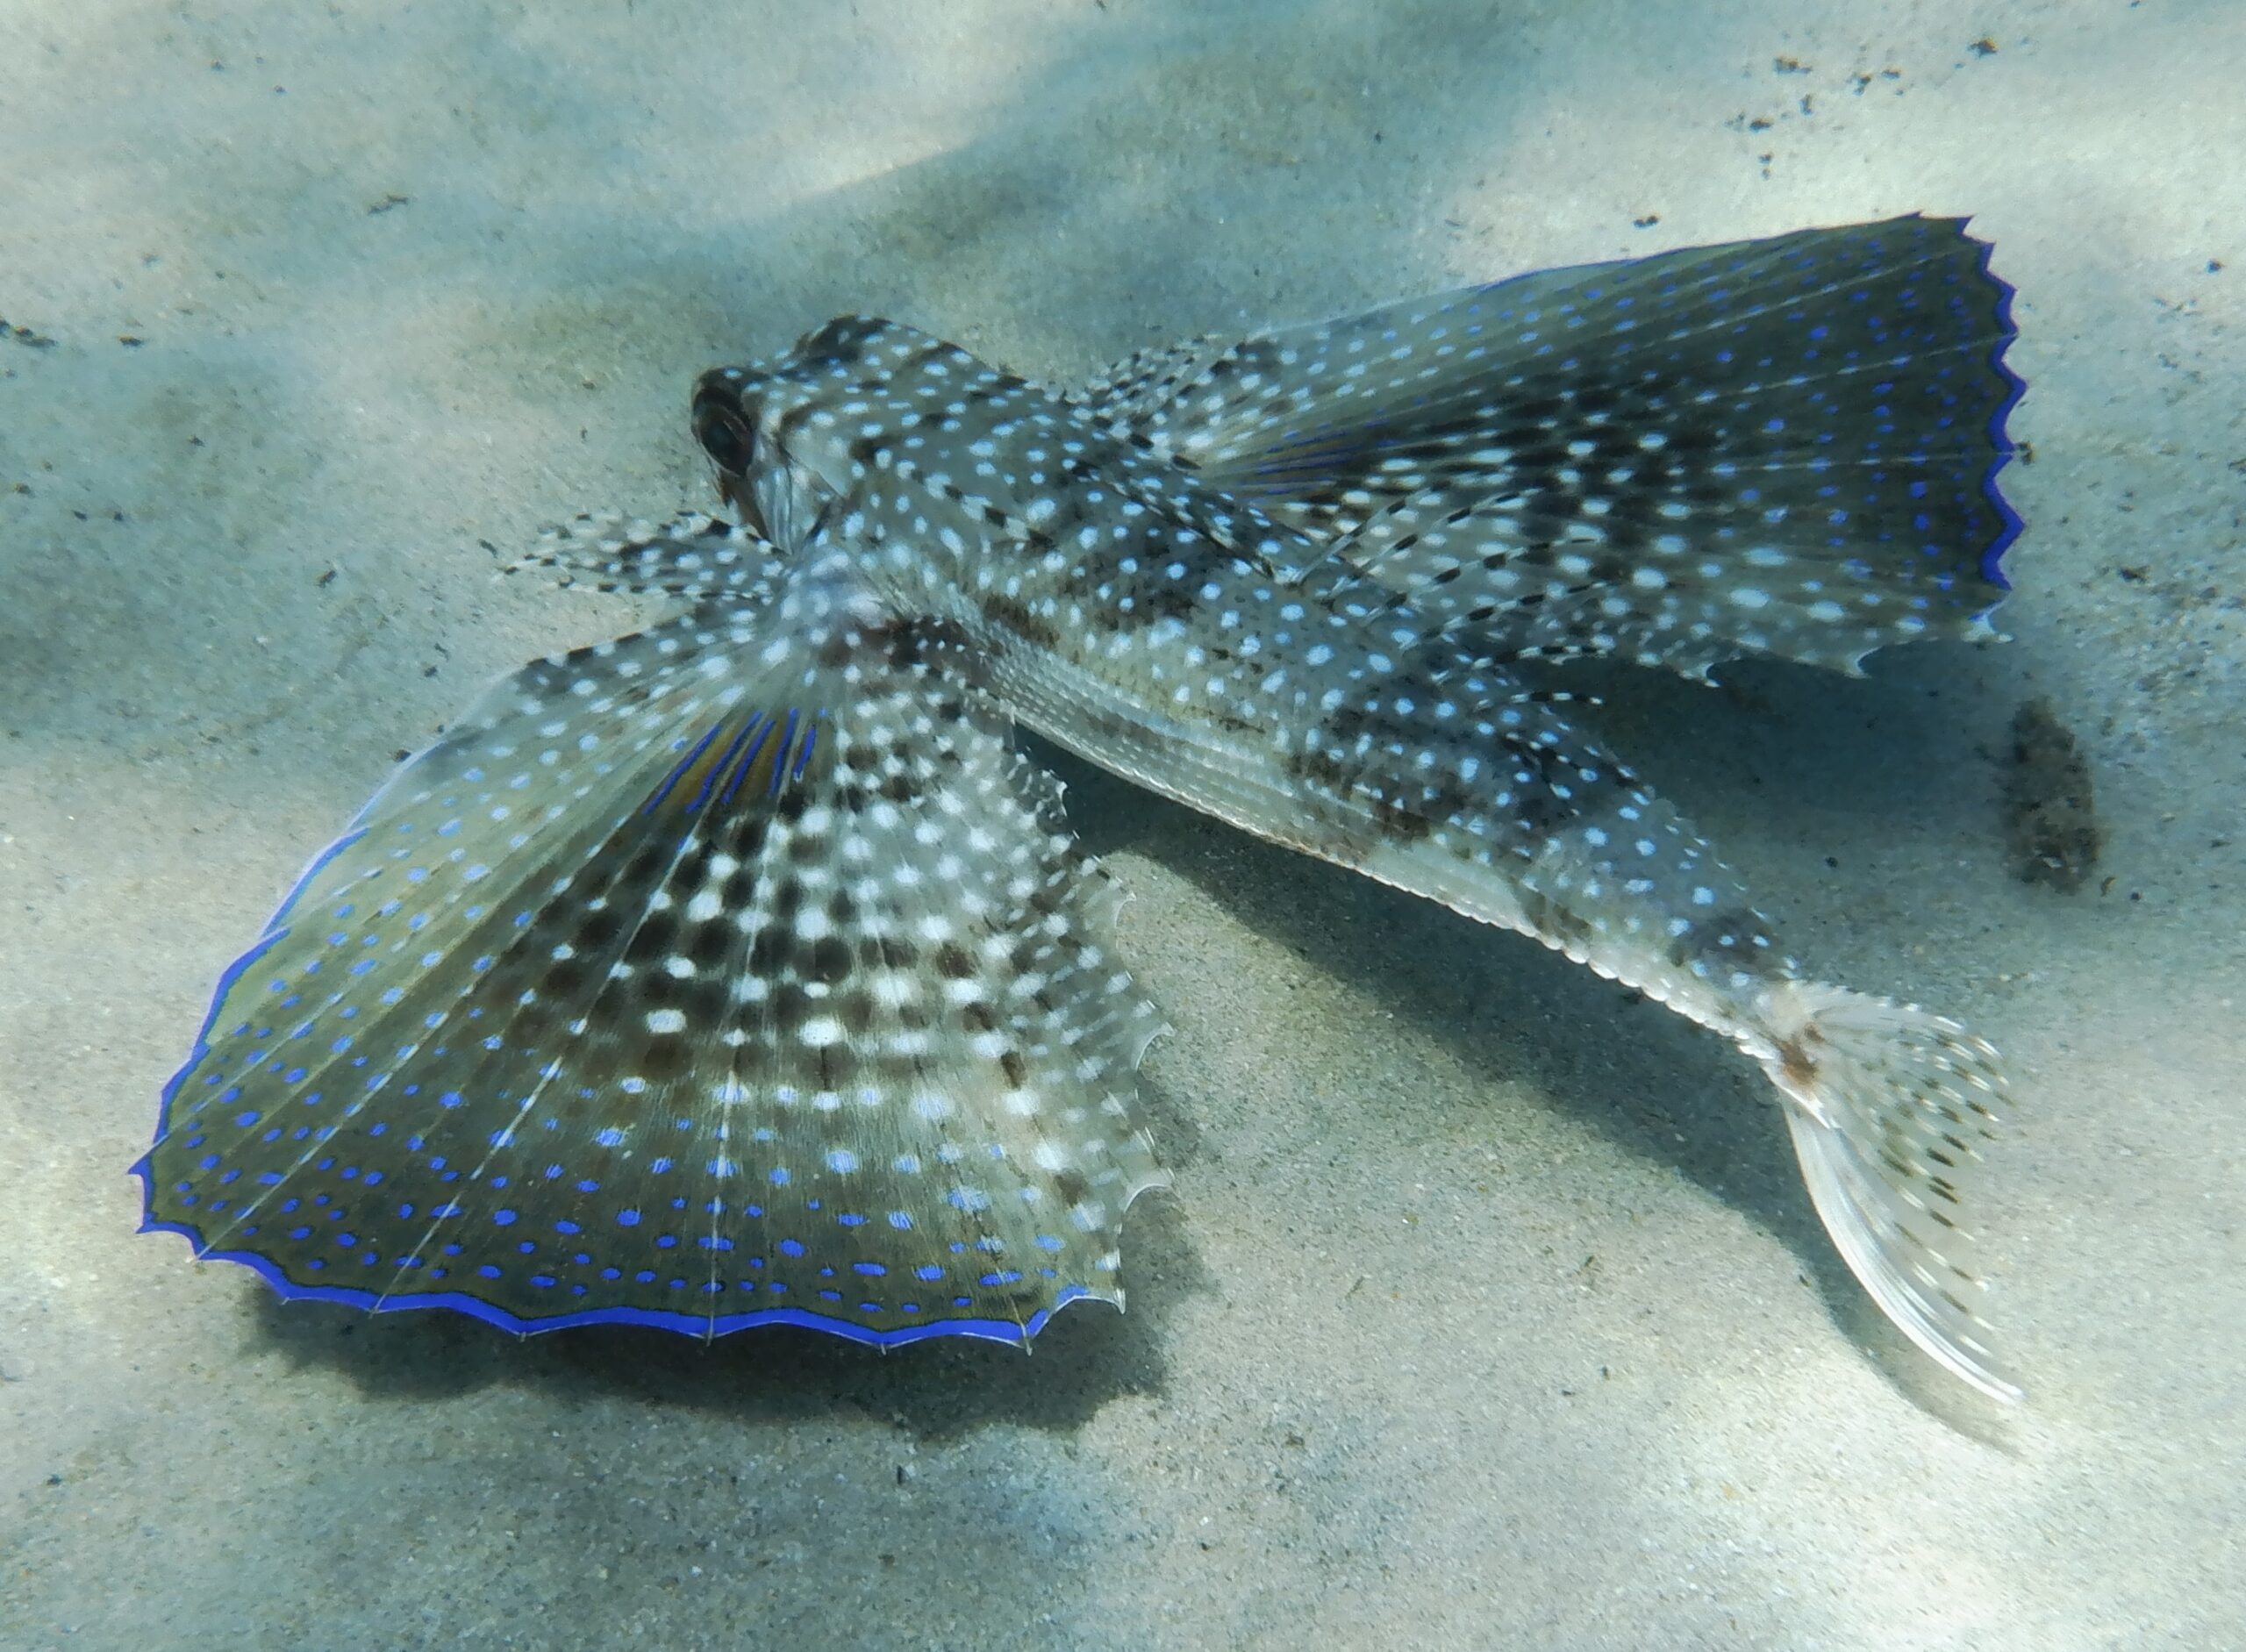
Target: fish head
<point x="779" y="431"/>
<point x="728" y="410"/>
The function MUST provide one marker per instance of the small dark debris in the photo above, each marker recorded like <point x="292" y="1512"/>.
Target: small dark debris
<point x="2135" y="575"/>
<point x="26" y="337"/>
<point x="1982" y="48"/>
<point x="54" y="1479"/>
<point x="1788" y="66"/>
<point x="1833" y="861"/>
<point x="1761" y="123"/>
<point x="1647" y="222"/>
<point x="428" y="670"/>
<point x="388" y="204"/>
<point x="326" y="579"/>
<point x="2026" y="452"/>
<point x="2049" y="814"/>
<point x="2214" y="266"/>
<point x="401" y="755"/>
<point x="130" y="341"/>
<point x="80" y="515"/>
<point x="1808" y="103"/>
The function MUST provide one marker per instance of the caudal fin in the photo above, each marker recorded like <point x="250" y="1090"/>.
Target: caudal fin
<point x="1888" y="1106"/>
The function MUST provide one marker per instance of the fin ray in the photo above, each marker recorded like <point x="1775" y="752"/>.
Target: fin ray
<point x="801" y="1009"/>
<point x="1786" y="446"/>
<point x="1887" y="1106"/>
<point x="693" y="555"/>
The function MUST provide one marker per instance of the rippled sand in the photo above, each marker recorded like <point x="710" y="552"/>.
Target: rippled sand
<point x="1488" y="1309"/>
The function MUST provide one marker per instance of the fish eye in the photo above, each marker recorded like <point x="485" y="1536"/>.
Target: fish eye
<point x="724" y="435"/>
<point x="724" y="422"/>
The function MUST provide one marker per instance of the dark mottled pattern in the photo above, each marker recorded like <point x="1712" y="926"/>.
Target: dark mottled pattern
<point x="740" y="972"/>
<point x="1785" y="446"/>
<point x="648" y="994"/>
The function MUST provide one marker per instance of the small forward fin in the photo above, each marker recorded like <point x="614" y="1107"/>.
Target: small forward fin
<point x="694" y="556"/>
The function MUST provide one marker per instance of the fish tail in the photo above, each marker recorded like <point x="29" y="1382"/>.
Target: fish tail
<point x="1888" y="1105"/>
<point x="1457" y="783"/>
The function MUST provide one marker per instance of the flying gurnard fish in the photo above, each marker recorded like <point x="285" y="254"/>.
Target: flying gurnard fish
<point x="740" y="971"/>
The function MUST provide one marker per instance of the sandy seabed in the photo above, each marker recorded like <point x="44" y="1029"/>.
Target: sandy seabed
<point x="1487" y="1309"/>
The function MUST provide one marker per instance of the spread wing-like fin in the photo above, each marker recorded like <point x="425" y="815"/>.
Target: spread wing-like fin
<point x="736" y="972"/>
<point x="1786" y="447"/>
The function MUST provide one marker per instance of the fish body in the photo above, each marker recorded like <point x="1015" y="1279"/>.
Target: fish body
<point x="799" y="926"/>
